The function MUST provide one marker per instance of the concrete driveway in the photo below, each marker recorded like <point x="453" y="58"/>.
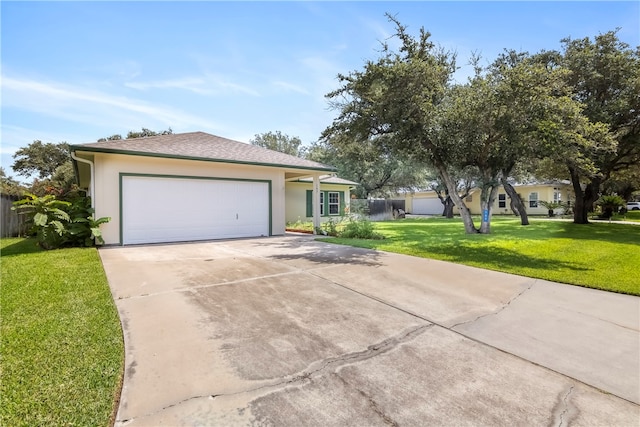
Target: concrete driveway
<point x="287" y="331"/>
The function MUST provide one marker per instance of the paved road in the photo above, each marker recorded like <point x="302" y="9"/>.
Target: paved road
<point x="287" y="331"/>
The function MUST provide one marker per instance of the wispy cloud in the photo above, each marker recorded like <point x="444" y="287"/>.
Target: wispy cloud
<point x="85" y="105"/>
<point x="290" y="87"/>
<point x="208" y="84"/>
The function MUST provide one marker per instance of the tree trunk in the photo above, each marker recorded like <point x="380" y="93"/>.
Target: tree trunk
<point x="487" y="198"/>
<point x="516" y="203"/>
<point x="584" y="199"/>
<point x="465" y="214"/>
<point x="448" y="207"/>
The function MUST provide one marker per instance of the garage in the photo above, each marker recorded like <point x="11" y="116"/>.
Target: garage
<point x="427" y="206"/>
<point x="176" y="209"/>
<point x="189" y="186"/>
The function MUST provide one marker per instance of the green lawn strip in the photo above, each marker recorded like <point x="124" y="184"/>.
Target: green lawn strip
<point x="62" y="348"/>
<point x="602" y="256"/>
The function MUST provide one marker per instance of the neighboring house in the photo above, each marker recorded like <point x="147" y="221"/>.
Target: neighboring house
<point x="428" y="203"/>
<point x="196" y="186"/>
<point x="334" y="198"/>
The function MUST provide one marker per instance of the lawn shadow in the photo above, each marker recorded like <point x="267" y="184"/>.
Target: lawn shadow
<point x="602" y="231"/>
<point x="21" y="247"/>
<point x="501" y="259"/>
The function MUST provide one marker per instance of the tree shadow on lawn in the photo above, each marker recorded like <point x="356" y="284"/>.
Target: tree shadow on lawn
<point x="21" y="247"/>
<point x="605" y="232"/>
<point x="511" y="229"/>
<point x="499" y="258"/>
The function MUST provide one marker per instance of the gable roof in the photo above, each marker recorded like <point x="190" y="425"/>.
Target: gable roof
<point x="330" y="179"/>
<point x="200" y="146"/>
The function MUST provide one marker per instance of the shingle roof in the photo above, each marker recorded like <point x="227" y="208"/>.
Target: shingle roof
<point x="328" y="179"/>
<point x="201" y="146"/>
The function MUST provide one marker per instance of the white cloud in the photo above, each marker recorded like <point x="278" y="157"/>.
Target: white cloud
<point x="85" y="105"/>
<point x="290" y="87"/>
<point x="209" y="84"/>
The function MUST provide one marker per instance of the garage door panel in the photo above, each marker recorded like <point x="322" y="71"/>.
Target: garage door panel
<point x="174" y="209"/>
<point x="427" y="206"/>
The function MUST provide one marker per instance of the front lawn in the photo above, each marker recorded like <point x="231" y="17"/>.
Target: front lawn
<point x="603" y="256"/>
<point x="61" y="340"/>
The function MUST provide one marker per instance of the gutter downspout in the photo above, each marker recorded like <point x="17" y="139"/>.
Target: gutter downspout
<point x="92" y="184"/>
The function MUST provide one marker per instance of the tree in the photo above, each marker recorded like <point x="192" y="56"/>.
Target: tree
<point x="405" y="102"/>
<point x="464" y="185"/>
<point x="10" y="186"/>
<point x="605" y="75"/>
<point x="40" y="159"/>
<point x="394" y="102"/>
<point x="278" y="141"/>
<point x="134" y="134"/>
<point x="379" y="173"/>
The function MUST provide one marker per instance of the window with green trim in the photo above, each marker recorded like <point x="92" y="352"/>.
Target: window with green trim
<point x="332" y="203"/>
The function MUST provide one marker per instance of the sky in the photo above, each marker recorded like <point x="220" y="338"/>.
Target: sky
<point x="78" y="71"/>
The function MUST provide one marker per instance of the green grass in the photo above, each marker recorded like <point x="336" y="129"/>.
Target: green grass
<point x="633" y="216"/>
<point x="62" y="348"/>
<point x="603" y="256"/>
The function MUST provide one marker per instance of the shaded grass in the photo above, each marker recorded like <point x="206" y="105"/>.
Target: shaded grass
<point x="62" y="348"/>
<point x="602" y="256"/>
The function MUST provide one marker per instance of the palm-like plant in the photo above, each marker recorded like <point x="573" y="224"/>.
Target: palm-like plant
<point x="551" y="206"/>
<point x="610" y="205"/>
<point x="48" y="218"/>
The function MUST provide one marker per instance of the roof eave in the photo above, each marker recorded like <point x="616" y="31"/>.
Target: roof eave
<point x="75" y="148"/>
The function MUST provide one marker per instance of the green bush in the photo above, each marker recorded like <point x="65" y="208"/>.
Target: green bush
<point x="610" y="205"/>
<point x="58" y="223"/>
<point x="360" y="229"/>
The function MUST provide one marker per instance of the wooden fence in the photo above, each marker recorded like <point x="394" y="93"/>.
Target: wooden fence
<point x="377" y="210"/>
<point x="11" y="223"/>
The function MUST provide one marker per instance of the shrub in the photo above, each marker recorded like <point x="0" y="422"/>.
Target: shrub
<point x="360" y="229"/>
<point x="610" y="205"/>
<point x="48" y="218"/>
<point x="83" y="229"/>
<point x="59" y="223"/>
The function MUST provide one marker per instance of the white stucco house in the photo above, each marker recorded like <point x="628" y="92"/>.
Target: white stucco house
<point x="197" y="186"/>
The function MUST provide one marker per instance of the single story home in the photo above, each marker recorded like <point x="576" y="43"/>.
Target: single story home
<point x="428" y="203"/>
<point x="335" y="197"/>
<point x="197" y="186"/>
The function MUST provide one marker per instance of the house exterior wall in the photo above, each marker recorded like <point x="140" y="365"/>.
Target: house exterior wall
<point x="543" y="192"/>
<point x="109" y="167"/>
<point x="296" y="200"/>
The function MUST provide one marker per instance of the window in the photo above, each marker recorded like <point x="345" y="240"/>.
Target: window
<point x="334" y="203"/>
<point x="331" y="203"/>
<point x="533" y="200"/>
<point x="502" y="200"/>
<point x="557" y="195"/>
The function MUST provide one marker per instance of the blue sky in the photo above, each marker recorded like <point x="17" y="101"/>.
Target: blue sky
<point x="78" y="71"/>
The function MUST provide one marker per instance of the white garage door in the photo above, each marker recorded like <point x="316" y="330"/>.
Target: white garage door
<point x="429" y="206"/>
<point x="158" y="209"/>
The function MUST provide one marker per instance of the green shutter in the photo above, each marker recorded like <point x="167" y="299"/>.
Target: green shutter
<point x="325" y="199"/>
<point x="309" y="203"/>
<point x="341" y="203"/>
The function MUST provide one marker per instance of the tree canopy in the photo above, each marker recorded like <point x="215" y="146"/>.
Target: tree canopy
<point x="520" y="109"/>
<point x="278" y="141"/>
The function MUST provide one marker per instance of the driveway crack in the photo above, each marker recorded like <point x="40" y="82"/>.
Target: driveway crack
<point x="564" y="410"/>
<point x="499" y="310"/>
<point x="372" y="403"/>
<point x="313" y="370"/>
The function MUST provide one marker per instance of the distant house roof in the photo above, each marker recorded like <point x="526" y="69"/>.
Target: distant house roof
<point x="330" y="179"/>
<point x="201" y="146"/>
